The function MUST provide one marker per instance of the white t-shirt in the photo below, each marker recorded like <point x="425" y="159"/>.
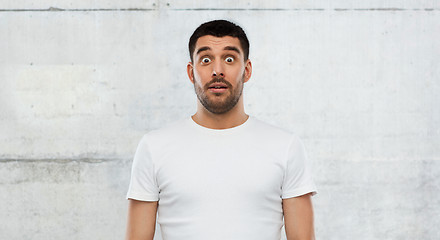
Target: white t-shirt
<point x="220" y="184"/>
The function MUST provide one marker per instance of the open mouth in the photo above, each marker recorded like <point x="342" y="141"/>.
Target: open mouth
<point x="218" y="87"/>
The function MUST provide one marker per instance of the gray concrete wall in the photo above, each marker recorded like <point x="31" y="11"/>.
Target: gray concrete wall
<point x="81" y="82"/>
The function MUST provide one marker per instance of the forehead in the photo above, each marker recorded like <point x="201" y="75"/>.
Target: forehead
<point x="217" y="43"/>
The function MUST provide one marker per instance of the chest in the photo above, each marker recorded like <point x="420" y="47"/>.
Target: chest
<point x="232" y="177"/>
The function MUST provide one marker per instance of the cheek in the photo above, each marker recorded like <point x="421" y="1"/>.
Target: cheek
<point x="198" y="79"/>
<point x="199" y="74"/>
<point x="238" y="73"/>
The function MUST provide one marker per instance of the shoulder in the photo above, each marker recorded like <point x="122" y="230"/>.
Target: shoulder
<point x="167" y="132"/>
<point x="169" y="128"/>
<point x="271" y="131"/>
<point x="273" y="138"/>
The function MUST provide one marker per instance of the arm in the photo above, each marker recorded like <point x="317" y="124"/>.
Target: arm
<point x="298" y="218"/>
<point x="141" y="220"/>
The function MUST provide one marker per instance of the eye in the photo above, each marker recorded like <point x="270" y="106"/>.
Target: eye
<point x="229" y="59"/>
<point x="206" y="60"/>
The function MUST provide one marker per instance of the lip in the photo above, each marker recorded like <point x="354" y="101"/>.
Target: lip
<point x="218" y="84"/>
<point x="222" y="87"/>
<point x="218" y="90"/>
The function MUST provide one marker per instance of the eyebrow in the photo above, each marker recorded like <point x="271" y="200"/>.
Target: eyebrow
<point x="230" y="48"/>
<point x="202" y="49"/>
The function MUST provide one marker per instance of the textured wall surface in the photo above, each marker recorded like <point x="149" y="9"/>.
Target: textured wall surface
<point x="82" y="81"/>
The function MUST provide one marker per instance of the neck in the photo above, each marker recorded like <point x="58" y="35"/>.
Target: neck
<point x="234" y="117"/>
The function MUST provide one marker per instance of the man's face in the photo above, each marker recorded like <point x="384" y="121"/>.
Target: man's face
<point x="219" y="72"/>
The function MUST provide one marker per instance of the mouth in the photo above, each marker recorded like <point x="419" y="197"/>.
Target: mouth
<point x="218" y="87"/>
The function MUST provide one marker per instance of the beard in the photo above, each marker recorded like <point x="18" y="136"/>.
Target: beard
<point x="215" y="104"/>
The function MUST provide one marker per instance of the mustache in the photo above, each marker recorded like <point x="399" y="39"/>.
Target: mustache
<point x="218" y="80"/>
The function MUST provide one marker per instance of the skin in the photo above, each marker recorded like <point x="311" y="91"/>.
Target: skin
<point x="298" y="218"/>
<point x="141" y="220"/>
<point x="298" y="211"/>
<point x="236" y="73"/>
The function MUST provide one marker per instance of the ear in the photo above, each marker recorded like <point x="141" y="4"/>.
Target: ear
<point x="247" y="70"/>
<point x="190" y="71"/>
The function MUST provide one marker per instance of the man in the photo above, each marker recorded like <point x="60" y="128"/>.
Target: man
<point x="220" y="174"/>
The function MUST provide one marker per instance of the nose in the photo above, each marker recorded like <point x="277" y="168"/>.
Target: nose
<point x="217" y="70"/>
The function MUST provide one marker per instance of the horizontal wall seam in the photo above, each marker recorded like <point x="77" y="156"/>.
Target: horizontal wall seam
<point x="85" y="160"/>
<point x="54" y="9"/>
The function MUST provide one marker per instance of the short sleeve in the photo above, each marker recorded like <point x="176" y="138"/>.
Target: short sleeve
<point x="143" y="184"/>
<point x="297" y="177"/>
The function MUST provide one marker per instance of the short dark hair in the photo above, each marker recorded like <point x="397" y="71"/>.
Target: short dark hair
<point x="219" y="28"/>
